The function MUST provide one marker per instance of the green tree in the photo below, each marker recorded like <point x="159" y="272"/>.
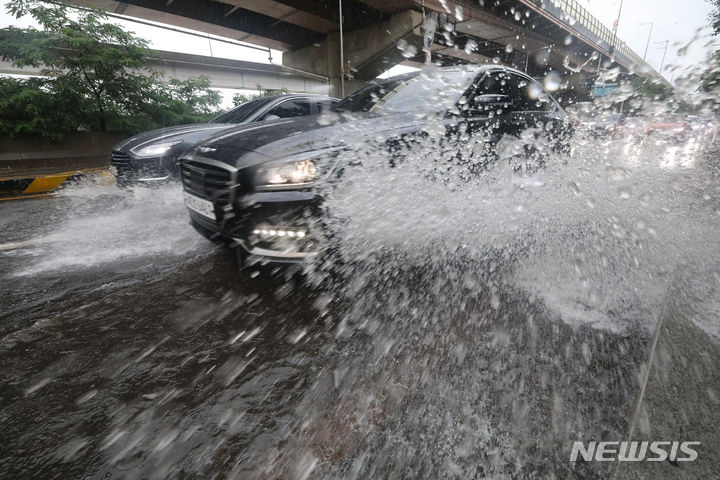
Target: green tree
<point x="97" y="77"/>
<point x="100" y="64"/>
<point x="654" y="89"/>
<point x="34" y="105"/>
<point x="240" y="98"/>
<point x="714" y="17"/>
<point x="179" y="102"/>
<point x="710" y="79"/>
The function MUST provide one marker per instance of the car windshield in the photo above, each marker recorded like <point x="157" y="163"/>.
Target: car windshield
<point x="411" y="92"/>
<point x="243" y="112"/>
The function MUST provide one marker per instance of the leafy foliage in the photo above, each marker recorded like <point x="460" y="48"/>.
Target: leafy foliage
<point x="710" y="79"/>
<point x="647" y="87"/>
<point x="35" y="105"/>
<point x="240" y="98"/>
<point x="98" y="77"/>
<point x="714" y="17"/>
<point x="175" y="103"/>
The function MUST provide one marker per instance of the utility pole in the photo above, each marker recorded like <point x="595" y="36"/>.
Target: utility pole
<point x="648" y="40"/>
<point x="662" y="63"/>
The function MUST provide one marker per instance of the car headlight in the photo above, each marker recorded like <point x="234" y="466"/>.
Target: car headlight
<point x="154" y="149"/>
<point x="297" y="173"/>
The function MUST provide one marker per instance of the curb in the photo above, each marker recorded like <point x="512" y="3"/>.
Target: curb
<point x="13" y="188"/>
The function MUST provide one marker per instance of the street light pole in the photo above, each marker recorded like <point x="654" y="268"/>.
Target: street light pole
<point x="648" y="40"/>
<point x="342" y="52"/>
<point x="662" y="63"/>
<point x="615" y="29"/>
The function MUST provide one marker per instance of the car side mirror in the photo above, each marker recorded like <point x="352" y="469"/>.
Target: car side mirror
<point x="271" y="117"/>
<point x="489" y="102"/>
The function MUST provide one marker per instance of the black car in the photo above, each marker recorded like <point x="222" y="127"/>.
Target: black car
<point x="257" y="186"/>
<point x="152" y="156"/>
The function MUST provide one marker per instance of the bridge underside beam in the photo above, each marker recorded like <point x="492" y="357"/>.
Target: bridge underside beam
<point x="518" y="33"/>
<point x="223" y="73"/>
<point x="217" y="18"/>
<point x="368" y="51"/>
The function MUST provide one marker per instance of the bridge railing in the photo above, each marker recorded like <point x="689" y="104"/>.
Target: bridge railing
<point x="576" y="13"/>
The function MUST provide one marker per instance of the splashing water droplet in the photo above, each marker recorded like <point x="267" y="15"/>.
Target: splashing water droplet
<point x="496" y="60"/>
<point x="534" y="91"/>
<point x="411" y="51"/>
<point x="407" y="50"/>
<point x="494" y="301"/>
<point x="542" y="56"/>
<point x="470" y="46"/>
<point x="518" y="16"/>
<point x="574" y="188"/>
<point x="552" y="81"/>
<point x="509" y="47"/>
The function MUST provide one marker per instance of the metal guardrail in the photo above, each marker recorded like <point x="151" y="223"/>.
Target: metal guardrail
<point x="570" y="12"/>
<point x="576" y="11"/>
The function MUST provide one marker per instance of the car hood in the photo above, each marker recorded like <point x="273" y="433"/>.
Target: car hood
<point x="259" y="143"/>
<point x="193" y="132"/>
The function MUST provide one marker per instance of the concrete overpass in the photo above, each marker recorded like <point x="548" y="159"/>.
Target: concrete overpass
<point x="223" y="73"/>
<point x="532" y="35"/>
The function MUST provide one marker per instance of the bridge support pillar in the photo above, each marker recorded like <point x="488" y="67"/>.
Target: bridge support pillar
<point x="367" y="52"/>
<point x="578" y="88"/>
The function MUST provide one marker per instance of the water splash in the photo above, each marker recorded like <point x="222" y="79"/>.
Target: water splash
<point x="99" y="225"/>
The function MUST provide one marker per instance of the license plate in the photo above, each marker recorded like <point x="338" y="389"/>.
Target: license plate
<point x="200" y="205"/>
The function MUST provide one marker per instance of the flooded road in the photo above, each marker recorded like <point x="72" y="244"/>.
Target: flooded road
<point x="133" y="348"/>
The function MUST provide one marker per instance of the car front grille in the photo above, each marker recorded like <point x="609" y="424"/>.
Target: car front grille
<point x="127" y="167"/>
<point x="212" y="181"/>
<point x="120" y="160"/>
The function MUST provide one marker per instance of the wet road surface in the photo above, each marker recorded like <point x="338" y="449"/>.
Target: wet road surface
<point x="132" y="348"/>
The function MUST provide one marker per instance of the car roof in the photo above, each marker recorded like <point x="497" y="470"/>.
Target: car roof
<point x="454" y="68"/>
<point x="300" y="95"/>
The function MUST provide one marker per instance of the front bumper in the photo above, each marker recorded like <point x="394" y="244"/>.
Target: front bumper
<point x="274" y="227"/>
<point x="263" y="255"/>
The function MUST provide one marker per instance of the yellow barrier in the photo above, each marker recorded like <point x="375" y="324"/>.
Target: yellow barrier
<point x="41" y="185"/>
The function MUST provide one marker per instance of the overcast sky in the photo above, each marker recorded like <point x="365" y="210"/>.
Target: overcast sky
<point x="677" y="21"/>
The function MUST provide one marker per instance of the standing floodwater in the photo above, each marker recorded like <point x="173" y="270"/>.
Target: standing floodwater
<point x="470" y="327"/>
